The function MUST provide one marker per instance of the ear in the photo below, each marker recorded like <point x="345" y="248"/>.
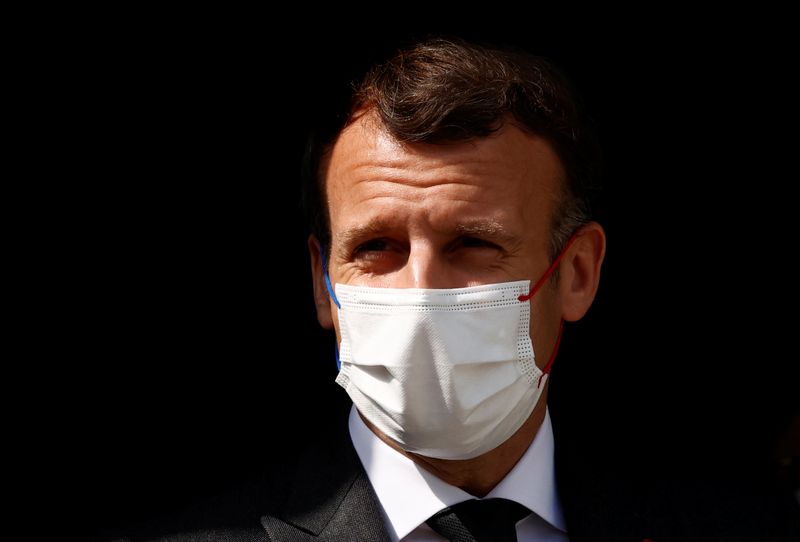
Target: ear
<point x="579" y="273"/>
<point x="322" y="299"/>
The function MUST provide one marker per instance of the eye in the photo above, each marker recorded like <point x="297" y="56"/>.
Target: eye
<point x="377" y="256"/>
<point x="474" y="242"/>
<point x="373" y="245"/>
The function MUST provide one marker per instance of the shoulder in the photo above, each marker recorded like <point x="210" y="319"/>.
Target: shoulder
<point x="291" y="495"/>
<point x="234" y="515"/>
<point x="608" y="498"/>
<point x="617" y="506"/>
<point x="728" y="510"/>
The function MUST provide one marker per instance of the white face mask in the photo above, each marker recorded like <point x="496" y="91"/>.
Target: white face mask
<point x="444" y="373"/>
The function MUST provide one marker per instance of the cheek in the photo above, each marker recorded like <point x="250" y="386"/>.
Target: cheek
<point x="544" y="325"/>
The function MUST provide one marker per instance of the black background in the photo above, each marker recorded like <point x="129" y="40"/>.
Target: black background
<point x="209" y="359"/>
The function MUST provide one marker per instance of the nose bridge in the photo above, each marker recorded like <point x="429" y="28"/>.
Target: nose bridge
<point x="425" y="267"/>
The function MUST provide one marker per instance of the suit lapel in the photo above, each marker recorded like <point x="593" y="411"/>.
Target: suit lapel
<point x="330" y="497"/>
<point x="353" y="515"/>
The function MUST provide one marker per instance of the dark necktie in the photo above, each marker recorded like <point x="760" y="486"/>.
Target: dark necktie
<point x="492" y="520"/>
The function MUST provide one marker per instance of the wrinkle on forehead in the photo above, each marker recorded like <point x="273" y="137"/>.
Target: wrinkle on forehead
<point x="365" y="144"/>
<point x="509" y="168"/>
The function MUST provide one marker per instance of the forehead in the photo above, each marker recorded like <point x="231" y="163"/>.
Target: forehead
<point x="509" y="174"/>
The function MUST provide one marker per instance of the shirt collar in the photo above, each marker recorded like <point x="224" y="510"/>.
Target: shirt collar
<point x="409" y="494"/>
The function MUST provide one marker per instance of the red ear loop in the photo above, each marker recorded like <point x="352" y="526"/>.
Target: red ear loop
<point x="549" y="365"/>
<point x="536" y="288"/>
<point x="550" y="270"/>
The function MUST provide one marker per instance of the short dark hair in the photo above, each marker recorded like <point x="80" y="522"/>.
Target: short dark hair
<point x="446" y="91"/>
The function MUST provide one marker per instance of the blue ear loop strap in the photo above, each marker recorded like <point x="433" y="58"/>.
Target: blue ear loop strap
<point x="324" y="257"/>
<point x="331" y="293"/>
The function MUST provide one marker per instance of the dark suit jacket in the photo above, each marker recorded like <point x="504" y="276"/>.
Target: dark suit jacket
<point x="325" y="495"/>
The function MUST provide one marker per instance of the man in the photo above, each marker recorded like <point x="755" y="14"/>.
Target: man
<point x="452" y="238"/>
<point x="448" y="177"/>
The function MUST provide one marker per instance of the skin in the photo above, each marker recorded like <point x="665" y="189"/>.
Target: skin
<point x="451" y="216"/>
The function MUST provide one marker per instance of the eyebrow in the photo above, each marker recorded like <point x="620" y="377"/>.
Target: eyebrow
<point x="490" y="230"/>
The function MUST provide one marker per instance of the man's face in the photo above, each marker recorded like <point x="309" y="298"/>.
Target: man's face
<point x="443" y="216"/>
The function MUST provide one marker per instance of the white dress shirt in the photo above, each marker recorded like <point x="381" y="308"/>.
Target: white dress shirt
<point x="409" y="494"/>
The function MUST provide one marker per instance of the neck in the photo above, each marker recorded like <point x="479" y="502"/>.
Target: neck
<point x="479" y="475"/>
